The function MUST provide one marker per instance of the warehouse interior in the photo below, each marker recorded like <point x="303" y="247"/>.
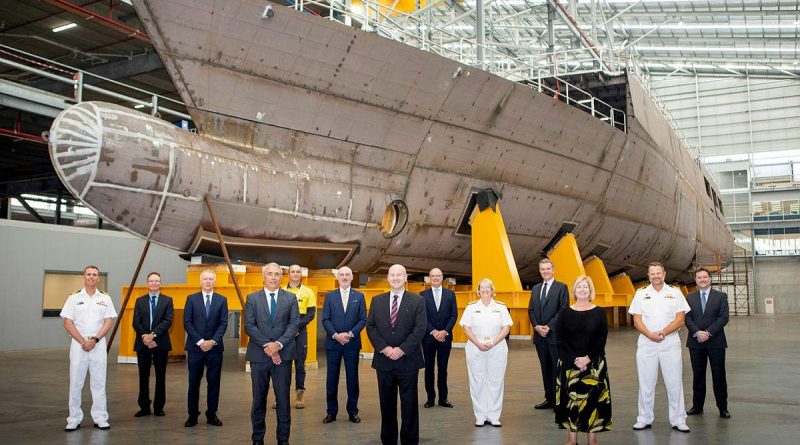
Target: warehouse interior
<point x="724" y="74"/>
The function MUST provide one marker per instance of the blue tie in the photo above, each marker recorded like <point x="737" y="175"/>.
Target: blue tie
<point x="272" y="306"/>
<point x="208" y="305"/>
<point x="152" y="310"/>
<point x="703" y="302"/>
<point x="543" y="298"/>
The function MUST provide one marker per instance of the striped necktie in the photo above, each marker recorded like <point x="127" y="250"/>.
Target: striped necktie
<point x="393" y="312"/>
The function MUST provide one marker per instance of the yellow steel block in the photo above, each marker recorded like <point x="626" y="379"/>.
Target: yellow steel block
<point x="567" y="261"/>
<point x="386" y="7"/>
<point x="623" y="285"/>
<point x="491" y="251"/>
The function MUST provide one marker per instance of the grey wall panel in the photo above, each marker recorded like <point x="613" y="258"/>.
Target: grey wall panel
<point x="32" y="248"/>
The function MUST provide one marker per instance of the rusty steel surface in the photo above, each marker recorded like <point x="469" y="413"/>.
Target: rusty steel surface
<point x="308" y="129"/>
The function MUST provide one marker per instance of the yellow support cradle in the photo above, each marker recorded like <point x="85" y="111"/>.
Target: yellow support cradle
<point x="567" y="261"/>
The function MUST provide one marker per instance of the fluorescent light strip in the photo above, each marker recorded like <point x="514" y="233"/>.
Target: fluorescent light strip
<point x="65" y="27"/>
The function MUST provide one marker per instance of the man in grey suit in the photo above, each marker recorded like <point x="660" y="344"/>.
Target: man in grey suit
<point x="271" y="320"/>
<point x="547" y="298"/>
<point x="706" y="342"/>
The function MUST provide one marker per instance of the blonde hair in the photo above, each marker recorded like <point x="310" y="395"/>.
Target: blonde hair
<point x="488" y="282"/>
<point x="587" y="280"/>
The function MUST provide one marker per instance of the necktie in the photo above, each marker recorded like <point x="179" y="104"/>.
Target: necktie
<point x="152" y="310"/>
<point x="437" y="298"/>
<point x="393" y="312"/>
<point x="208" y="305"/>
<point x="272" y="304"/>
<point x="344" y="300"/>
<point x="543" y="297"/>
<point x="703" y="302"/>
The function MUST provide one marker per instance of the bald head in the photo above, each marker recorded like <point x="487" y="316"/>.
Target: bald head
<point x="397" y="277"/>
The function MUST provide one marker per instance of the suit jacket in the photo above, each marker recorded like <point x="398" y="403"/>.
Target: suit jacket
<point x="262" y="330"/>
<point x="407" y="333"/>
<point x="713" y="320"/>
<point x="557" y="298"/>
<point x="162" y="321"/>
<point x="443" y="319"/>
<point x="336" y="319"/>
<point x="198" y="326"/>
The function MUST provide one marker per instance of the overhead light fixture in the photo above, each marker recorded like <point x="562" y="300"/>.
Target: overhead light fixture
<point x="65" y="27"/>
<point x="138" y="106"/>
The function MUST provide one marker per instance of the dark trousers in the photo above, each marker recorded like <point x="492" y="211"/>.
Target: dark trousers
<point x="436" y="353"/>
<point x="699" y="358"/>
<point x="301" y="345"/>
<point x="198" y="361"/>
<point x="548" y="360"/>
<point x="260" y="375"/>
<point x="391" y="383"/>
<point x="145" y="359"/>
<point x="335" y="357"/>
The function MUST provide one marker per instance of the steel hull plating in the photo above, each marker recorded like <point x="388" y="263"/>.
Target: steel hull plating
<point x="308" y="129"/>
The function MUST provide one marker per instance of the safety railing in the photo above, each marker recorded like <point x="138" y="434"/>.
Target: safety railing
<point x="81" y="82"/>
<point x="416" y="32"/>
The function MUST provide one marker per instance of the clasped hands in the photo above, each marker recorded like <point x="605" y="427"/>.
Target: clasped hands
<point x="657" y="337"/>
<point x="394" y="353"/>
<point x="272" y="350"/>
<point x="439" y="335"/>
<point x="702" y="336"/>
<point x="542" y="329"/>
<point x="582" y="362"/>
<point x="342" y="337"/>
<point x="150" y="342"/>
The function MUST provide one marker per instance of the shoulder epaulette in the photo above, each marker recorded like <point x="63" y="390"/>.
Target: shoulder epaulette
<point x="472" y="302"/>
<point x="499" y="302"/>
<point x="104" y="292"/>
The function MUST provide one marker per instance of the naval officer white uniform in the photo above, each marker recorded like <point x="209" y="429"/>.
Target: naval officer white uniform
<point x="658" y="311"/>
<point x="486" y="323"/>
<point x="88" y="313"/>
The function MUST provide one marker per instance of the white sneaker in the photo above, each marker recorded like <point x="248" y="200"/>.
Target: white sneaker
<point x="641" y="426"/>
<point x="682" y="427"/>
<point x="72" y="427"/>
<point x="102" y="425"/>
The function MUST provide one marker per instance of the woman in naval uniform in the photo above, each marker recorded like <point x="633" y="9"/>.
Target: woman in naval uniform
<point x="486" y="323"/>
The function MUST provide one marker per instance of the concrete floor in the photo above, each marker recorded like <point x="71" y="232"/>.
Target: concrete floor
<point x="762" y="365"/>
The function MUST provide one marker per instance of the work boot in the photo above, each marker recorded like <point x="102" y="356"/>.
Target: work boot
<point x="298" y="403"/>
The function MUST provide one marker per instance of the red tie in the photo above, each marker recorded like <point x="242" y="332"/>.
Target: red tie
<point x="393" y="313"/>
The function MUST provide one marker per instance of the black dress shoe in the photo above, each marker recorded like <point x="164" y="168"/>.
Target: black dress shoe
<point x="142" y="413"/>
<point x="160" y="413"/>
<point x="724" y="414"/>
<point x="694" y="411"/>
<point x="355" y="419"/>
<point x="258" y="442"/>
<point x="445" y="403"/>
<point x="70" y="429"/>
<point x="214" y="420"/>
<point x="328" y="419"/>
<point x="428" y="404"/>
<point x="545" y="405"/>
<point x="104" y="426"/>
<point x="283" y="442"/>
<point x="190" y="422"/>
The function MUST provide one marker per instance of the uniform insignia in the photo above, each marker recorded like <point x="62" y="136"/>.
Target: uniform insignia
<point x="79" y="303"/>
<point x="472" y="302"/>
<point x="499" y="302"/>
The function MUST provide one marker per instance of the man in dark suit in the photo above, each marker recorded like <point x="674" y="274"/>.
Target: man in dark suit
<point x="205" y="319"/>
<point x="152" y="318"/>
<point x="706" y="342"/>
<point x="440" y="304"/>
<point x="547" y="298"/>
<point x="344" y="315"/>
<point x="271" y="322"/>
<point x="396" y="325"/>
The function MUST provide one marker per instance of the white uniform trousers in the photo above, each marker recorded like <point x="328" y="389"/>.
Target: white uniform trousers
<point x="487" y="372"/>
<point x="649" y="357"/>
<point x="95" y="362"/>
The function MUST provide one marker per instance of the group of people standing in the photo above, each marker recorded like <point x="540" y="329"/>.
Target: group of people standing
<point x="409" y="332"/>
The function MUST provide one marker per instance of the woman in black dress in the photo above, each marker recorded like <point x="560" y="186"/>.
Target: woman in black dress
<point x="583" y="398"/>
